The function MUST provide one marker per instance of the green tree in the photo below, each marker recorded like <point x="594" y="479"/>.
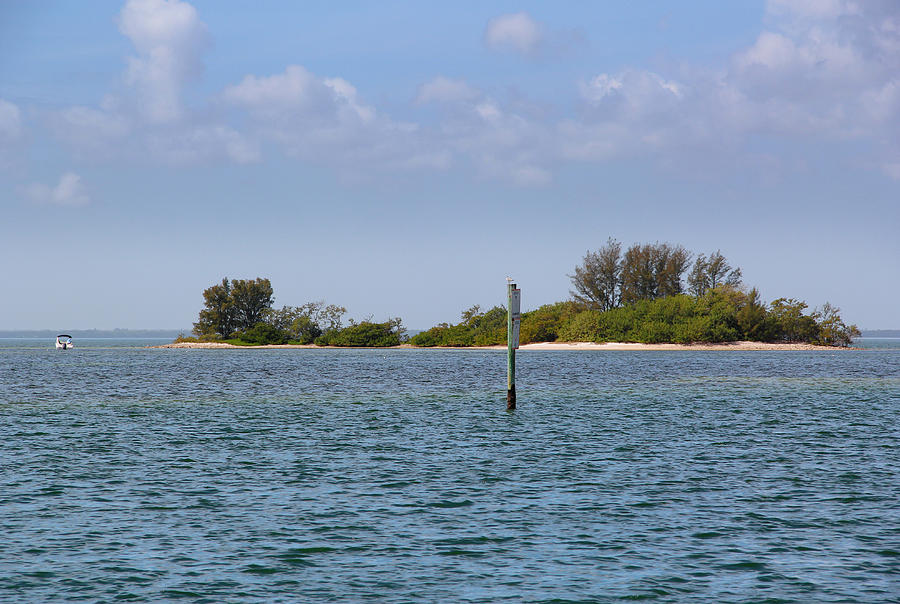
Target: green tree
<point x="711" y="272"/>
<point x="307" y="322"/>
<point x="282" y="318"/>
<point x="303" y="330"/>
<point x="217" y="318"/>
<point x="698" y="278"/>
<point x="329" y="317"/>
<point x="297" y="322"/>
<point x="789" y="322"/>
<point x="720" y="272"/>
<point x="596" y="282"/>
<point x="752" y="318"/>
<point x="652" y="271"/>
<point x="252" y="301"/>
<point x="671" y="262"/>
<point x="471" y="316"/>
<point x="832" y="329"/>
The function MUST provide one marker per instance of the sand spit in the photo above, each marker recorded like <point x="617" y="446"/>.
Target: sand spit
<point x="551" y="346"/>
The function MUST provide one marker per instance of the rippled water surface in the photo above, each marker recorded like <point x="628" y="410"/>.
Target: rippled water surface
<point x="397" y="476"/>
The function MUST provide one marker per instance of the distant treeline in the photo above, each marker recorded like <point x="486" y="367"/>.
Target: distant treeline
<point x="241" y="312"/>
<point x="643" y="296"/>
<point x="91" y="333"/>
<point x="880" y="333"/>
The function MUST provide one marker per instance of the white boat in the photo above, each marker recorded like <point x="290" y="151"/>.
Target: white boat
<point x="63" y="342"/>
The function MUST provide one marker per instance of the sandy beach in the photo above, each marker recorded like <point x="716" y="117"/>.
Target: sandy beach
<point x="552" y="346"/>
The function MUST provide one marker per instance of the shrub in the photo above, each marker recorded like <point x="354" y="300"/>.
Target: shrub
<point x="476" y="329"/>
<point x="263" y="333"/>
<point x="431" y="337"/>
<point x="583" y="327"/>
<point x="364" y="334"/>
<point x="653" y="332"/>
<point x="203" y="338"/>
<point x="545" y="323"/>
<point x="304" y="330"/>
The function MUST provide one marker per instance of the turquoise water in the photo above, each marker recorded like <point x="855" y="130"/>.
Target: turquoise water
<point x="397" y="476"/>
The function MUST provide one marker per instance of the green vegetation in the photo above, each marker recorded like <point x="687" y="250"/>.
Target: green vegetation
<point x="240" y="312"/>
<point x="477" y="328"/>
<point x="636" y="295"/>
<point x="365" y="334"/>
<point x="233" y="306"/>
<point x="640" y="296"/>
<point x="722" y="314"/>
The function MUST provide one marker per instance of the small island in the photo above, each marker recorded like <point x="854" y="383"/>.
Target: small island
<point x="639" y="299"/>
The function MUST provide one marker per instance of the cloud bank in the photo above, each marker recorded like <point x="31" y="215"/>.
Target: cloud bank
<point x="820" y="72"/>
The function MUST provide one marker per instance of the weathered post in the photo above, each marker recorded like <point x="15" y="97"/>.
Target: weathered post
<point x="513" y="321"/>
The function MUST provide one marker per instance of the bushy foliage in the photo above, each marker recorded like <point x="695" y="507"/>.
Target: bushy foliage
<point x="262" y="334"/>
<point x="542" y="324"/>
<point x="832" y="329"/>
<point x="682" y="319"/>
<point x="789" y="323"/>
<point x="722" y="314"/>
<point x="304" y="324"/>
<point x="181" y="339"/>
<point x="365" y="334"/>
<point x="477" y="328"/>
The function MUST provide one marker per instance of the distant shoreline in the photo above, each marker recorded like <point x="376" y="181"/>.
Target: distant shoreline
<point x="543" y="346"/>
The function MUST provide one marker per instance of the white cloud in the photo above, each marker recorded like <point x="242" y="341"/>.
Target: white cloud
<point x="326" y="120"/>
<point x="636" y="88"/>
<point x="169" y="37"/>
<point x="600" y="87"/>
<point x="516" y="32"/>
<point x="446" y="90"/>
<point x="293" y="91"/>
<point x="68" y="192"/>
<point x="345" y="95"/>
<point x="298" y="95"/>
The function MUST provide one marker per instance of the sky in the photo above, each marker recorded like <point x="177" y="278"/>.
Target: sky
<point x="404" y="158"/>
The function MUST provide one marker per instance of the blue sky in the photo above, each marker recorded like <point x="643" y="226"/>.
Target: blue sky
<point x="402" y="159"/>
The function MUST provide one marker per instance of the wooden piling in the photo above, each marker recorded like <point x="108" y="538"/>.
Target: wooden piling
<point x="513" y="319"/>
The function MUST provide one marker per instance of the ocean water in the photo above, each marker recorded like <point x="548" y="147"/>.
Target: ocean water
<point x="147" y="475"/>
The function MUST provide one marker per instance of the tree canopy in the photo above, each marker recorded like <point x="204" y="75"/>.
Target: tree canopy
<point x="241" y="312"/>
<point x="606" y="279"/>
<point x="233" y="306"/>
<point x="711" y="272"/>
<point x="596" y="281"/>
